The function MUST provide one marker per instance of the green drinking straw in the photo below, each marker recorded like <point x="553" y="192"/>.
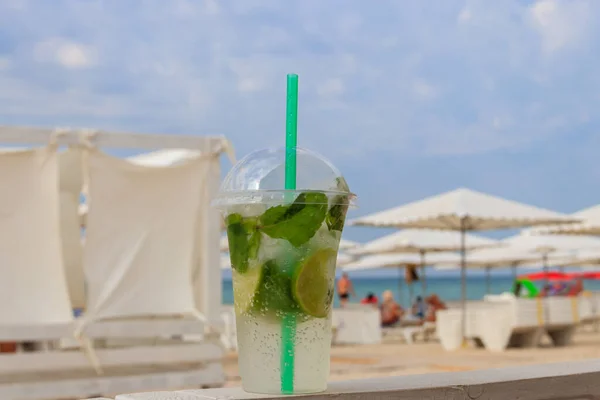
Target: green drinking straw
<point x="288" y="326"/>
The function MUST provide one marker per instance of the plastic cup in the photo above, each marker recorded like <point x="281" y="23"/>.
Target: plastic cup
<point x="283" y="247"/>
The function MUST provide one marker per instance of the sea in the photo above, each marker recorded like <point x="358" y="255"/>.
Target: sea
<point x="447" y="288"/>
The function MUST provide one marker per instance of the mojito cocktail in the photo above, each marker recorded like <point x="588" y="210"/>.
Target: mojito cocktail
<point x="283" y="248"/>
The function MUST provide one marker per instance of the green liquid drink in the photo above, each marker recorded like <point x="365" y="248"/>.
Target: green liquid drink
<point x="283" y="246"/>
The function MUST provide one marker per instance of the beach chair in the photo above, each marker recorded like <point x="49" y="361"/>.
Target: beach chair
<point x="137" y="334"/>
<point x="526" y="319"/>
<point x="145" y="354"/>
<point x="561" y="318"/>
<point x="405" y="330"/>
<point x="488" y="325"/>
<point x="502" y="321"/>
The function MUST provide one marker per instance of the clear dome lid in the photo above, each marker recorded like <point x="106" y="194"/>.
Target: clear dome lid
<point x="259" y="177"/>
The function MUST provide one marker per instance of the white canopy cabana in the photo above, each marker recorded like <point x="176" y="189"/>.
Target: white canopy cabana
<point x="463" y="210"/>
<point x="37" y="306"/>
<point x="33" y="288"/>
<point x="132" y="249"/>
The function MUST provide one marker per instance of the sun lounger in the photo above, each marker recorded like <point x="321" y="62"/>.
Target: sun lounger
<point x="505" y="321"/>
<point x="488" y="325"/>
<point x="410" y="330"/>
<point x="134" y="324"/>
<point x="152" y="353"/>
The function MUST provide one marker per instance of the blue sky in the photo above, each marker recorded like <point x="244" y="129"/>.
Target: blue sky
<point x="408" y="98"/>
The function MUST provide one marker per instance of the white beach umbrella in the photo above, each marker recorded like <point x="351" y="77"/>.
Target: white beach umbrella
<point x="556" y="245"/>
<point x="550" y="243"/>
<point x="589" y="225"/>
<point x="586" y="257"/>
<point x="401" y="261"/>
<point x="347" y="245"/>
<point x="344" y="259"/>
<point x="501" y="257"/>
<point x="421" y="241"/>
<point x="463" y="210"/>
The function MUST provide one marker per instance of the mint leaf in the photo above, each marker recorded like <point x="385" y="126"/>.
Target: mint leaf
<point x="297" y="222"/>
<point x="275" y="292"/>
<point x="254" y="244"/>
<point x="238" y="243"/>
<point x="336" y="216"/>
<point x="250" y="224"/>
<point x="244" y="240"/>
<point x="233" y="218"/>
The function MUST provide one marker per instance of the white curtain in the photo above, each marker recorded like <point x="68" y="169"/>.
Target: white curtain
<point x="33" y="287"/>
<point x="141" y="234"/>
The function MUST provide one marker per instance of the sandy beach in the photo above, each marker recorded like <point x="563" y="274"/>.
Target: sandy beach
<point x="393" y="358"/>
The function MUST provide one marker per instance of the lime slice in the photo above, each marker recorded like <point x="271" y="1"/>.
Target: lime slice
<point x="312" y="286"/>
<point x="247" y="285"/>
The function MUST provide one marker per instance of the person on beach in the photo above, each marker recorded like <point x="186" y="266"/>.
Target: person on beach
<point x="345" y="289"/>
<point x="419" y="308"/>
<point x="576" y="289"/>
<point x="434" y="305"/>
<point x="391" y="312"/>
<point x="370" y="299"/>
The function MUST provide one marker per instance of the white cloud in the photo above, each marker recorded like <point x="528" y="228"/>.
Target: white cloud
<point x="332" y="87"/>
<point x="186" y="65"/>
<point x="247" y="85"/>
<point x="211" y="7"/>
<point x="5" y="63"/>
<point x="560" y="24"/>
<point x="465" y="15"/>
<point x="348" y="23"/>
<point x="74" y="56"/>
<point x="425" y="90"/>
<point x="67" y="54"/>
<point x="17" y="4"/>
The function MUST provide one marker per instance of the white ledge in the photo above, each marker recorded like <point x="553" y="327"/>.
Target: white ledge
<point x="564" y="381"/>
